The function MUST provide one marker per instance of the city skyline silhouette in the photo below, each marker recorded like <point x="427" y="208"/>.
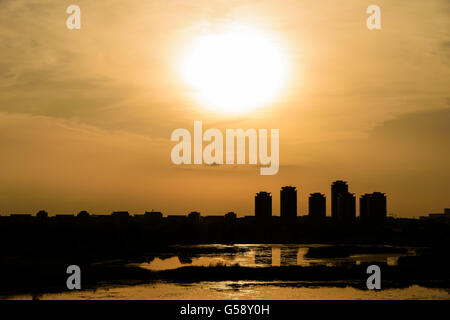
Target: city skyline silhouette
<point x="288" y="203"/>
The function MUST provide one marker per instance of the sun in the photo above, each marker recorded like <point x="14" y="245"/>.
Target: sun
<point x="235" y="70"/>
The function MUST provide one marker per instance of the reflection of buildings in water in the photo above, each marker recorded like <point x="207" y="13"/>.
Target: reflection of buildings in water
<point x="288" y="256"/>
<point x="263" y="256"/>
<point x="244" y="259"/>
<point x="301" y="259"/>
<point x="229" y="257"/>
<point x="185" y="259"/>
<point x="381" y="260"/>
<point x="163" y="263"/>
<point x="279" y="256"/>
<point x="276" y="253"/>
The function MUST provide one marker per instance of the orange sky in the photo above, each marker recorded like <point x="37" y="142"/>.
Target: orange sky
<point x="86" y="115"/>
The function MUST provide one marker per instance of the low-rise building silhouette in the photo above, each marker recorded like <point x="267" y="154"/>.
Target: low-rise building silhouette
<point x="64" y="217"/>
<point x="208" y="220"/>
<point x="83" y="215"/>
<point x="155" y="215"/>
<point x="122" y="214"/>
<point x="230" y="215"/>
<point x="42" y="214"/>
<point x="194" y="217"/>
<point x="439" y="217"/>
<point x="17" y="217"/>
<point x="176" y="219"/>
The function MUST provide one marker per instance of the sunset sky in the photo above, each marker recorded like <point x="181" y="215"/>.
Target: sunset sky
<point x="86" y="115"/>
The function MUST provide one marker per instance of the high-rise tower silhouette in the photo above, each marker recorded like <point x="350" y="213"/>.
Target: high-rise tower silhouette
<point x="263" y="206"/>
<point x="338" y="187"/>
<point x="317" y="206"/>
<point x="346" y="207"/>
<point x="373" y="208"/>
<point x="288" y="204"/>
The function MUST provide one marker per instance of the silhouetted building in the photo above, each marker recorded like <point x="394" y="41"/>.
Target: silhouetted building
<point x="317" y="207"/>
<point x="288" y="204"/>
<point x="439" y="217"/>
<point x="194" y="217"/>
<point x="364" y="208"/>
<point x="176" y="219"/>
<point x="373" y="208"/>
<point x="230" y="216"/>
<point x="346" y="207"/>
<point x="263" y="206"/>
<point x="83" y="214"/>
<point x="217" y="220"/>
<point x="42" y="214"/>
<point x="378" y="207"/>
<point x="153" y="215"/>
<point x="338" y="187"/>
<point x="17" y="217"/>
<point x="120" y="217"/>
<point x="64" y="218"/>
<point x="121" y="214"/>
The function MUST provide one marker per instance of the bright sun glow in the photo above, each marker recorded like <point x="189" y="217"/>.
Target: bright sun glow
<point x="235" y="71"/>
